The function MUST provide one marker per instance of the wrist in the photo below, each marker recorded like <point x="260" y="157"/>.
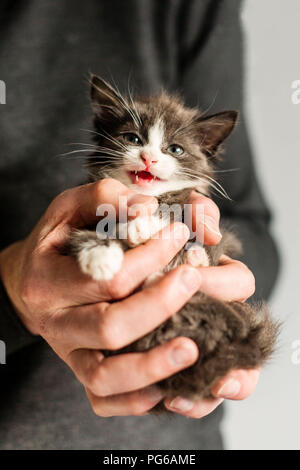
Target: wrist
<point x="11" y="263"/>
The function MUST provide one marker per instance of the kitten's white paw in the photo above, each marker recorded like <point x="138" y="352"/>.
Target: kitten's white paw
<point x="139" y="230"/>
<point x="197" y="256"/>
<point x="101" y="262"/>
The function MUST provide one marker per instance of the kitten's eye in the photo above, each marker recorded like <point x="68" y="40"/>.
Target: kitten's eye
<point x="132" y="138"/>
<point x="175" y="150"/>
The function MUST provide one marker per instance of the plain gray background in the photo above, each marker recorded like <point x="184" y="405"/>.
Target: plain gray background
<point x="270" y="418"/>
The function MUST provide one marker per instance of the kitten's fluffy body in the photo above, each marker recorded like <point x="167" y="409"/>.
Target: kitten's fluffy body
<point x="158" y="147"/>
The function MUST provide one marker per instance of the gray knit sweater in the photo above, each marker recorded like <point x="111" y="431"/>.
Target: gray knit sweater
<point x="47" y="49"/>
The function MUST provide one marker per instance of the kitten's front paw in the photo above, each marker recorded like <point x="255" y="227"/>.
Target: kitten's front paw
<point x="196" y="256"/>
<point x="139" y="230"/>
<point x="101" y="262"/>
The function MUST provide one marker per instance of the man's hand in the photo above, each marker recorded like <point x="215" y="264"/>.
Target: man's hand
<point x="75" y="316"/>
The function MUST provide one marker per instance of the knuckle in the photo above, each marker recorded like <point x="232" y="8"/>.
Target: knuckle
<point x="99" y="409"/>
<point x="109" y="333"/>
<point x="56" y="211"/>
<point x="97" y="381"/>
<point x="59" y="201"/>
<point x="29" y="292"/>
<point x="154" y="369"/>
<point x="119" y="287"/>
<point x="26" y="290"/>
<point x="156" y="365"/>
<point x="104" y="187"/>
<point x="136" y="406"/>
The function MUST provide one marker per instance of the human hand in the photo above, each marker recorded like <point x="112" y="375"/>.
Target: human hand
<point x="217" y="281"/>
<point x="230" y="281"/>
<point x="54" y="299"/>
<point x="71" y="311"/>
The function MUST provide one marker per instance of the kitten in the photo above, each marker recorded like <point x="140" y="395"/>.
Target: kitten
<point x="157" y="146"/>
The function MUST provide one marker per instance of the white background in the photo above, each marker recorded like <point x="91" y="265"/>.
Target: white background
<point x="270" y="418"/>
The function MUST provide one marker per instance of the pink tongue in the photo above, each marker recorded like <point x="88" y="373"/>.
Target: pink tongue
<point x="145" y="175"/>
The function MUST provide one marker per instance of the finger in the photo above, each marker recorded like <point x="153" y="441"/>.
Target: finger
<point x="132" y="371"/>
<point x="192" y="408"/>
<point x="76" y="288"/>
<point x="147" y="309"/>
<point x="205" y="217"/>
<point x="230" y="281"/>
<point x="113" y="326"/>
<point x="128" y="404"/>
<point x="237" y="385"/>
<point x="77" y="207"/>
<point x="139" y="263"/>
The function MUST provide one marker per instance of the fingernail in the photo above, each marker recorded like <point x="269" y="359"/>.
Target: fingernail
<point x="154" y="394"/>
<point x="191" y="279"/>
<point x="183" y="355"/>
<point x="230" y="389"/>
<point x="181" y="404"/>
<point x="197" y="256"/>
<point x="99" y="356"/>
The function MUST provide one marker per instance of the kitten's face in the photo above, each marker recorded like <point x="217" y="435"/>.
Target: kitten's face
<point x="154" y="145"/>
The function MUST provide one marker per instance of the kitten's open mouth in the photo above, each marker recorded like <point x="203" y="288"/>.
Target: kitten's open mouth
<point x="143" y="177"/>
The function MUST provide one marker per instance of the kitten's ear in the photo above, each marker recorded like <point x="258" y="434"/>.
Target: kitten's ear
<point x="105" y="99"/>
<point x="215" y="129"/>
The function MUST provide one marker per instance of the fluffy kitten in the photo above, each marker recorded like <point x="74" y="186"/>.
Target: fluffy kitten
<point x="157" y="146"/>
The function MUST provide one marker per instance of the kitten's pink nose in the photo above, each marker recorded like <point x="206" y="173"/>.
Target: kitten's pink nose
<point x="148" y="159"/>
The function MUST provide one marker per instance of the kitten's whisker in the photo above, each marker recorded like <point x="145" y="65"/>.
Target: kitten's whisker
<point x="226" y="171"/>
<point x="117" y="152"/>
<point x="88" y="155"/>
<point x="113" y="140"/>
<point x="211" y="105"/>
<point x="134" y="105"/>
<point x="108" y="137"/>
<point x="82" y="143"/>
<point x="125" y="104"/>
<point x="218" y="171"/>
<point x="101" y="152"/>
<point x="74" y="151"/>
<point x="217" y="184"/>
<point x="89" y="130"/>
<point x="89" y="164"/>
<point x="206" y="176"/>
<point x="107" y="157"/>
<point x="107" y="152"/>
<point x="213" y="183"/>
